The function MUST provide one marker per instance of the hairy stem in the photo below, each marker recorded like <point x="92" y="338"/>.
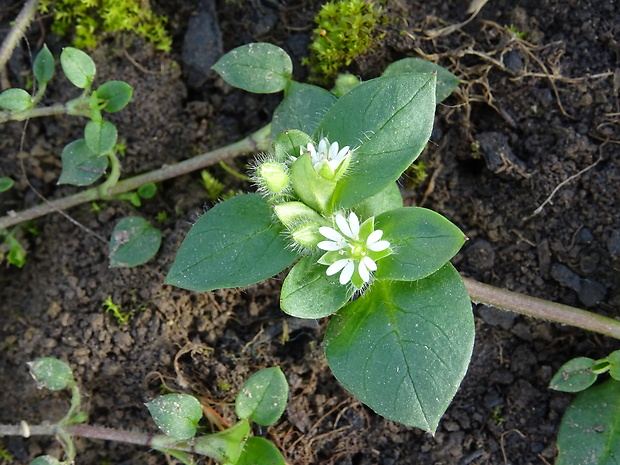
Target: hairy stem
<point x="22" y="23"/>
<point x="257" y="141"/>
<point x="544" y="309"/>
<point x="154" y="441"/>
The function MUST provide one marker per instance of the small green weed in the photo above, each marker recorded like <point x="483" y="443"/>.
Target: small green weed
<point x="122" y="318"/>
<point x="346" y="29"/>
<point x="88" y="19"/>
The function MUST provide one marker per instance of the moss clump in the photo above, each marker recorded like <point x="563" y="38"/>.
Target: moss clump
<point x="346" y="29"/>
<point x="90" y="18"/>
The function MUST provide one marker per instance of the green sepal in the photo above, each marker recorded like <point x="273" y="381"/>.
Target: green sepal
<point x="288" y="143"/>
<point x="307" y="234"/>
<point x="422" y="241"/>
<point x="403" y="347"/>
<point x="310" y="187"/>
<point x="273" y="176"/>
<point x="235" y="244"/>
<point x="294" y="213"/>
<point x="307" y="292"/>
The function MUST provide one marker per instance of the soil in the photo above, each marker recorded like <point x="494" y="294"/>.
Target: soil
<point x="530" y="113"/>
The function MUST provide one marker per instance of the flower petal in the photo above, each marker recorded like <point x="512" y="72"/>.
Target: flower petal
<point x="342" y="154"/>
<point x="337" y="266"/>
<point x="343" y="225"/>
<point x="330" y="246"/>
<point x="378" y="246"/>
<point x="323" y="147"/>
<point x="331" y="233"/>
<point x="374" y="237"/>
<point x="363" y="271"/>
<point x="369" y="263"/>
<point x="333" y="151"/>
<point x="354" y="224"/>
<point x="347" y="272"/>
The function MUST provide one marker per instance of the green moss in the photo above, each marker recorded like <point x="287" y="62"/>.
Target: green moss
<point x="88" y="19"/>
<point x="346" y="29"/>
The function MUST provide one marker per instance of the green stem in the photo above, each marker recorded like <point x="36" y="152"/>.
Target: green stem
<point x="257" y="141"/>
<point x="113" y="177"/>
<point x="544" y="309"/>
<point x="24" y="18"/>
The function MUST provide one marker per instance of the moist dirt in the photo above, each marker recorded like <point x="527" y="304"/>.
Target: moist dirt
<point x="538" y="105"/>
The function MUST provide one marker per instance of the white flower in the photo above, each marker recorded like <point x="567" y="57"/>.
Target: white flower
<point x="328" y="160"/>
<point x="352" y="249"/>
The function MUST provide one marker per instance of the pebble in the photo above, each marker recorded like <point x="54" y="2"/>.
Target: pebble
<point x="499" y="157"/>
<point x="613" y="244"/>
<point x="566" y="277"/>
<point x="495" y="317"/>
<point x="513" y="61"/>
<point x="202" y="44"/>
<point x="591" y="293"/>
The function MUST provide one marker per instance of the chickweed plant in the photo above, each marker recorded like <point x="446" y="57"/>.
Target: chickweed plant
<point x="261" y="400"/>
<point x="327" y="211"/>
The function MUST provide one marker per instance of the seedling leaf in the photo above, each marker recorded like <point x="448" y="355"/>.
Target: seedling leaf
<point x="78" y="67"/>
<point x="262" y="399"/>
<point x="116" y="94"/>
<point x="51" y="373"/>
<point x="134" y="242"/>
<point x="177" y="415"/>
<point x="43" y="66"/>
<point x="446" y="81"/>
<point x="574" y="376"/>
<point x="15" y="100"/>
<point x="259" y="451"/>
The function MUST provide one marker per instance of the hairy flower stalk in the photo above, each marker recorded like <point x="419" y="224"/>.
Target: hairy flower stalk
<point x="352" y="249"/>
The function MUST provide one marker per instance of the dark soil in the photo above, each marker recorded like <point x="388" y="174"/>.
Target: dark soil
<point x="529" y="114"/>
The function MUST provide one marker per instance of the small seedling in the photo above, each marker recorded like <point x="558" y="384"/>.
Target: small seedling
<point x="122" y="318"/>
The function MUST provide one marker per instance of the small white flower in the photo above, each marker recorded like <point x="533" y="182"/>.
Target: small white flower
<point x="352" y="249"/>
<point x="328" y="160"/>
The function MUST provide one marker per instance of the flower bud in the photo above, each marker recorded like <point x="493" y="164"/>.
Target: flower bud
<point x="307" y="235"/>
<point x="295" y="213"/>
<point x="273" y="176"/>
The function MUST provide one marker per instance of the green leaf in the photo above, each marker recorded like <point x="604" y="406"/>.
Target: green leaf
<point x="235" y="244"/>
<point x="261" y="68"/>
<point x="80" y="166"/>
<point x="134" y="242"/>
<point x="388" y="121"/>
<point x="78" y="67"/>
<point x="100" y="136"/>
<point x="446" y="81"/>
<point x="288" y="143"/>
<point x="43" y="66"/>
<point x="262" y="399"/>
<point x="116" y="94"/>
<point x="226" y="446"/>
<point x="51" y="373"/>
<point x="311" y="188"/>
<point x="422" y="240"/>
<point x="574" y="376"/>
<point x="6" y="183"/>
<point x="589" y="433"/>
<point x="388" y="199"/>
<point x="15" y="100"/>
<point x="302" y="108"/>
<point x="17" y="253"/>
<point x="403" y="348"/>
<point x="614" y="361"/>
<point x="308" y="292"/>
<point x="148" y="190"/>
<point x="45" y="460"/>
<point x="259" y="451"/>
<point x="177" y="415"/>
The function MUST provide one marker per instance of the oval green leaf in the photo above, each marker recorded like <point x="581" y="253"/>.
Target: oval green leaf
<point x="403" y="347"/>
<point x="308" y="292"/>
<point x="226" y="446"/>
<point x="177" y="415"/>
<point x="43" y="66"/>
<point x="259" y="451"/>
<point x="422" y="241"/>
<point x="116" y="95"/>
<point x="147" y="191"/>
<point x="51" y="373"/>
<point x="134" y="242"/>
<point x="100" y="136"/>
<point x="80" y="166"/>
<point x="6" y="183"/>
<point x="15" y="100"/>
<point x="262" y="399"/>
<point x="78" y="67"/>
<point x="235" y="244"/>
<point x="45" y="460"/>
<point x="446" y="81"/>
<point x="388" y="121"/>
<point x="385" y="200"/>
<point x="574" y="376"/>
<point x="589" y="432"/>
<point x="302" y="108"/>
<point x="260" y="68"/>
